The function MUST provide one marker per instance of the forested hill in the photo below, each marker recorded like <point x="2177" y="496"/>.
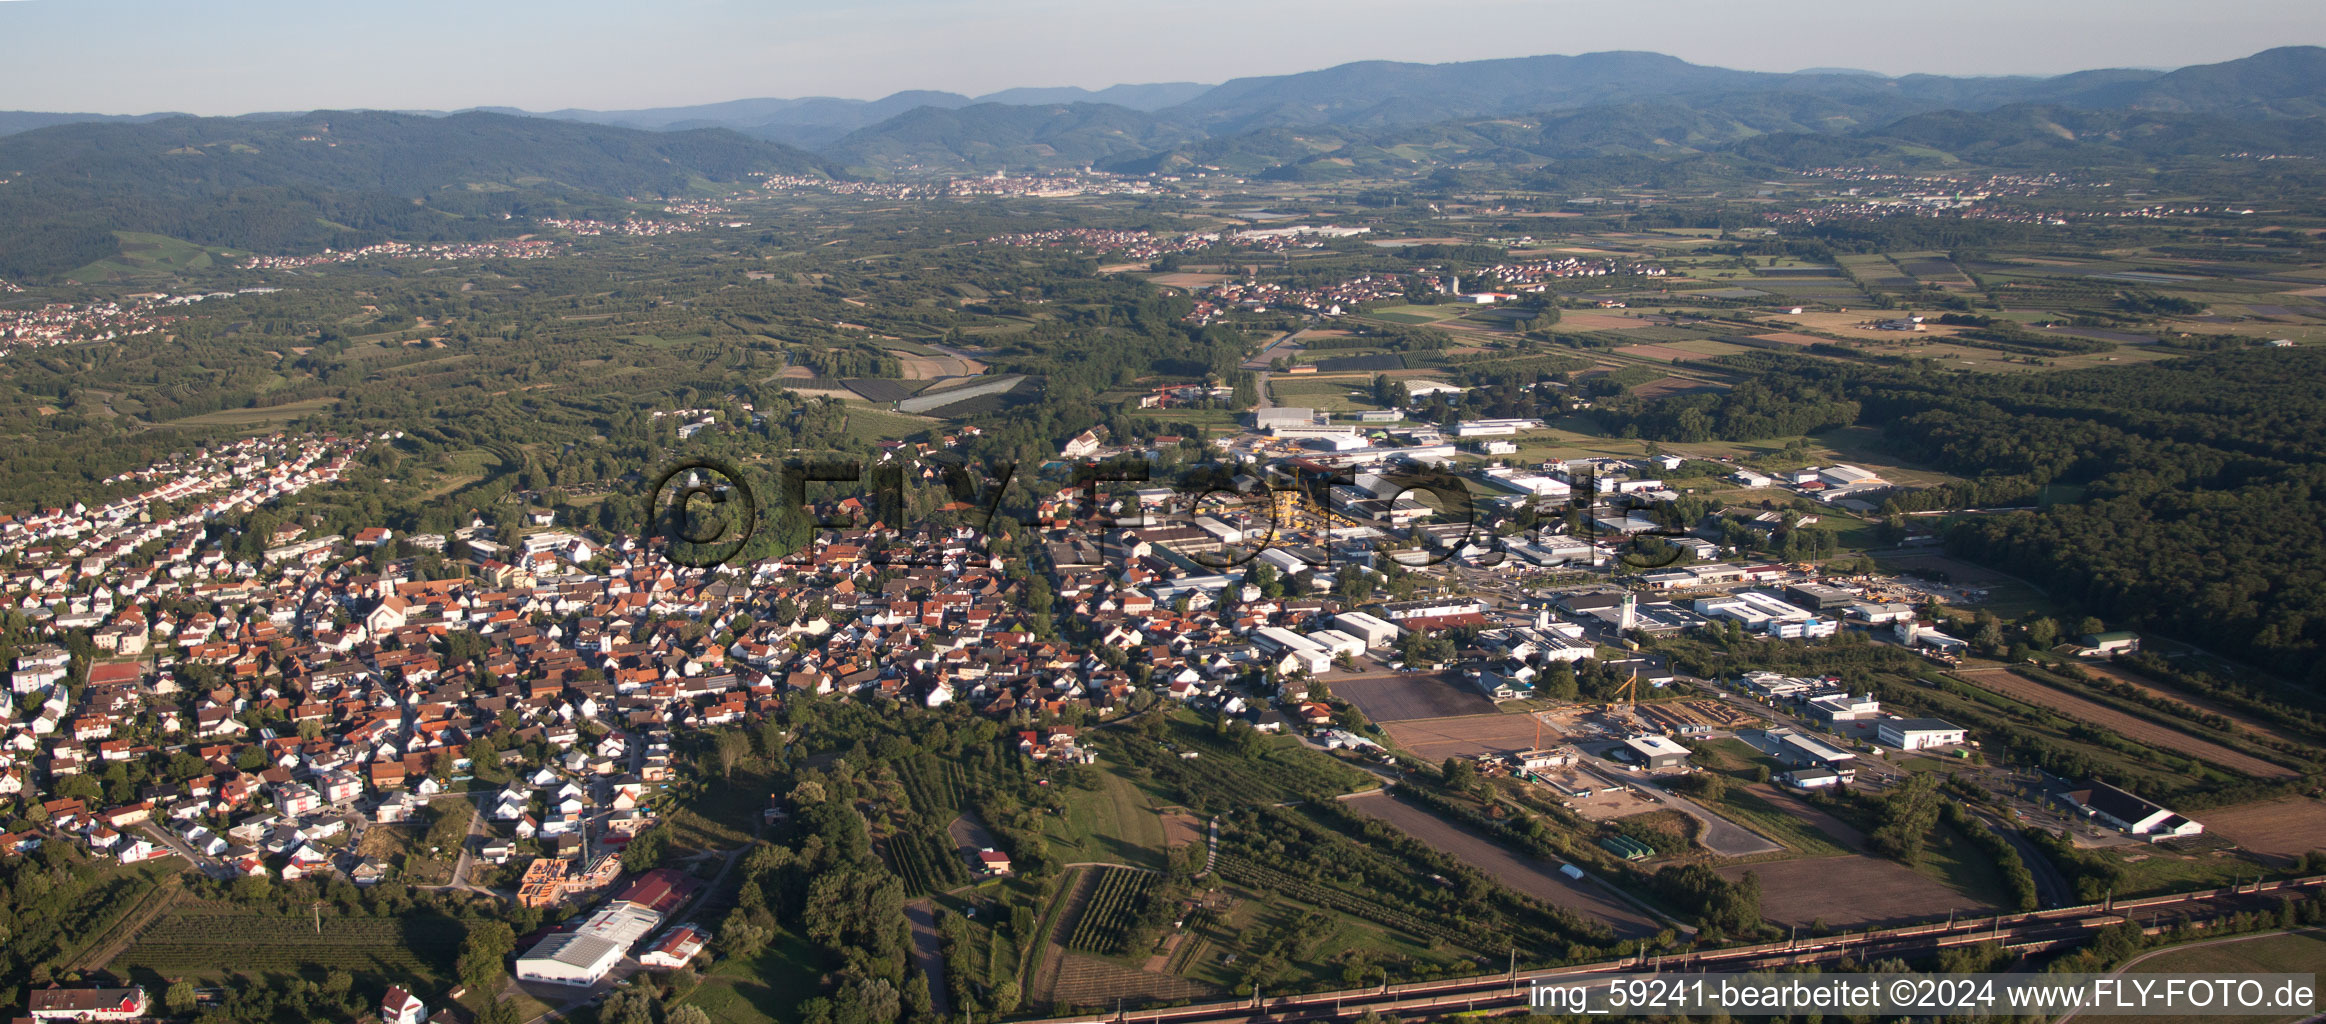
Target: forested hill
<point x="2199" y="484"/>
<point x="300" y="182"/>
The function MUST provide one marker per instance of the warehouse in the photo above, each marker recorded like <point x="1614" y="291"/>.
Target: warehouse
<point x="1918" y="733"/>
<point x="1819" y="597"/>
<point x="2130" y="814"/>
<point x="1336" y="642"/>
<point x="1281" y="642"/>
<point x="584" y="956"/>
<point x="1656" y="752"/>
<point x="1283" y="416"/>
<point x="570" y="958"/>
<point x="1373" y="631"/>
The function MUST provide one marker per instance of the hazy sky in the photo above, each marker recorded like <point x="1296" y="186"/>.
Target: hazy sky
<point x="237" y="56"/>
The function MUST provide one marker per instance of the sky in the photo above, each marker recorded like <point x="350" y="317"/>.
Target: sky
<point x="241" y="56"/>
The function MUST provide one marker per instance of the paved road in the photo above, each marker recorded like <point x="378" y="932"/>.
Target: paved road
<point x="929" y="947"/>
<point x="1721" y="836"/>
<point x="2051" y="887"/>
<point x="208" y="866"/>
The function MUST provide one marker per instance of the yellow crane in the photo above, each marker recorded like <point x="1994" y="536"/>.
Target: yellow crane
<point x="1628" y="693"/>
<point x="1293" y="508"/>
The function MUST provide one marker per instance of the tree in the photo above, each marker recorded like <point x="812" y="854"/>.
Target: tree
<point x="729" y="747"/>
<point x="627" y="1006"/>
<point x="688" y="1014"/>
<point x="2042" y="633"/>
<point x="1460" y="772"/>
<point x="180" y="997"/>
<point x="482" y="952"/>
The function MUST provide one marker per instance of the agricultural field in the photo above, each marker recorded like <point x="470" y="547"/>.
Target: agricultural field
<point x="1851" y="891"/>
<point x="2010" y="683"/>
<point x="1525" y="875"/>
<point x="1435" y="739"/>
<point x="1114" y="822"/>
<point x="2244" y="720"/>
<point x="1107" y="918"/>
<point x="1398" y="697"/>
<point x="2278" y="830"/>
<point x="213" y="942"/>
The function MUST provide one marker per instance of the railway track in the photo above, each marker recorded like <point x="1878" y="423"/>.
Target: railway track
<point x="2031" y="931"/>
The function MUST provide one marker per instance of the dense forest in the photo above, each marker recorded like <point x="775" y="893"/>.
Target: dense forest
<point x="2201" y="482"/>
<point x="338" y="179"/>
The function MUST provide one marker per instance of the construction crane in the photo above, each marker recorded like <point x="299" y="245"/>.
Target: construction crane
<point x="1294" y="508"/>
<point x="1628" y="693"/>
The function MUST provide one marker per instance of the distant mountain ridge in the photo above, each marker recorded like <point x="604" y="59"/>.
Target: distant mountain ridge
<point x="284" y="181"/>
<point x="300" y="182"/>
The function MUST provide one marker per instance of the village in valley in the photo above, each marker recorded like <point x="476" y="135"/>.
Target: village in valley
<point x="1169" y="587"/>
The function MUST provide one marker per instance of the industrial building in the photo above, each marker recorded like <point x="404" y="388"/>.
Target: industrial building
<point x="585" y="955"/>
<point x="1656" y="752"/>
<point x="2130" y="814"/>
<point x="1764" y="613"/>
<point x="1284" y="643"/>
<point x="1819" y="597"/>
<point x="1919" y="733"/>
<point x="1283" y="416"/>
<point x="1372" y="630"/>
<point x="1841" y="707"/>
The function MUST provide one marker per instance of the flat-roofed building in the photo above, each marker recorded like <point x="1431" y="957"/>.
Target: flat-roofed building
<point x="1283" y="416"/>
<point x="1656" y="752"/>
<point x="1919" y="733"/>
<point x="1371" y="629"/>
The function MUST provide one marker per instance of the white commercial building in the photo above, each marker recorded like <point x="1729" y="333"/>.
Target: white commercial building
<point x="1373" y="631"/>
<point x="1282" y="642"/>
<point x="1283" y="416"/>
<point x="584" y="956"/>
<point x="1337" y="642"/>
<point x="1918" y="733"/>
<point x="1764" y="613"/>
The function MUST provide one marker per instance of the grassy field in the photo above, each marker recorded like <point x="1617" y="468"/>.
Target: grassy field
<point x="2302" y="952"/>
<point x="1115" y="823"/>
<point x="1228" y="944"/>
<point x="763" y="989"/>
<point x="1753" y="812"/>
<point x="723" y="815"/>
<point x="260" y="417"/>
<point x="145" y="256"/>
<point x="213" y="942"/>
<point x="1329" y="395"/>
<point x="1216" y="421"/>
<point x="866" y="423"/>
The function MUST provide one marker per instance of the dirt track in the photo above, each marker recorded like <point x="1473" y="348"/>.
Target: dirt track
<point x="1534" y="878"/>
<point x="2017" y="687"/>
